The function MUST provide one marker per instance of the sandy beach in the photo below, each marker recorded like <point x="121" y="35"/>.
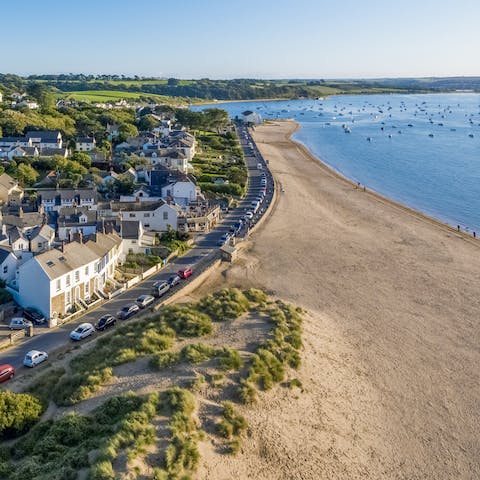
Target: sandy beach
<point x="390" y="373"/>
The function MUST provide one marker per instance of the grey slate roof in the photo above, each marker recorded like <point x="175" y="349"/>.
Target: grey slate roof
<point x="71" y="216"/>
<point x="130" y="230"/>
<point x="51" y="135"/>
<point x="4" y="253"/>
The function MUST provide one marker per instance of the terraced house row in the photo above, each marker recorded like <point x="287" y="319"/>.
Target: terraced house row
<point x="54" y="281"/>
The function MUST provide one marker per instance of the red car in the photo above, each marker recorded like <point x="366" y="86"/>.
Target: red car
<point x="6" y="372"/>
<point x="185" y="273"/>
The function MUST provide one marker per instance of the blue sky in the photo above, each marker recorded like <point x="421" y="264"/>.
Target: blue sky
<point x="248" y="38"/>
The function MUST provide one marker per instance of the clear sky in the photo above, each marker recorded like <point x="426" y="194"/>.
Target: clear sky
<point x="247" y="38"/>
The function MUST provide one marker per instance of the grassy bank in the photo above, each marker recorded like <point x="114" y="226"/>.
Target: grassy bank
<point x="155" y="435"/>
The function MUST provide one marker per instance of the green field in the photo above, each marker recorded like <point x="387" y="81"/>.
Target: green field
<point x="115" y="95"/>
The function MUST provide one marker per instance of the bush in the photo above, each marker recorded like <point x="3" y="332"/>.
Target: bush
<point x="197" y="353"/>
<point x="230" y="359"/>
<point x="226" y="304"/>
<point x="247" y="392"/>
<point x="42" y="387"/>
<point x="232" y="424"/>
<point x="102" y="471"/>
<point x="255" y="295"/>
<point x="186" y="321"/>
<point x="18" y="412"/>
<point x="164" y="360"/>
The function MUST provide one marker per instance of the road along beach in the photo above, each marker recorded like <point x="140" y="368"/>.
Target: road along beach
<point x="391" y="344"/>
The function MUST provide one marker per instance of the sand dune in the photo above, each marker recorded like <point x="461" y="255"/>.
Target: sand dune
<point x="391" y="361"/>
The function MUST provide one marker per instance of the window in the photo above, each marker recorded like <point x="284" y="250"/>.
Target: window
<point x="59" y="285"/>
<point x="5" y="269"/>
<point x="87" y="287"/>
<point x="147" y="225"/>
<point x="68" y="280"/>
<point x="40" y="245"/>
<point x="77" y="276"/>
<point x="86" y="270"/>
<point x="146" y="215"/>
<point x="131" y="215"/>
<point x="165" y="215"/>
<point x="68" y="297"/>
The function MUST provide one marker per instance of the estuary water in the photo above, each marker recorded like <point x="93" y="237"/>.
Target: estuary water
<point x="420" y="150"/>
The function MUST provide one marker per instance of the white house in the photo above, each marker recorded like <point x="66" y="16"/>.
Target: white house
<point x="55" y="280"/>
<point x="45" y="139"/>
<point x="251" y="117"/>
<point x="8" y="142"/>
<point x="170" y="158"/>
<point x="85" y="144"/>
<point x="156" y="216"/>
<point x="55" y="199"/>
<point x="141" y="194"/>
<point x="8" y="264"/>
<point x="22" y="152"/>
<point x="135" y="240"/>
<point x="181" y="192"/>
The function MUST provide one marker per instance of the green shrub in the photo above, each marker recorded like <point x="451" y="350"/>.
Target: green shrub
<point x="74" y="388"/>
<point x="255" y="295"/>
<point x="226" y="304"/>
<point x="18" y="412"/>
<point x="247" y="392"/>
<point x="295" y="382"/>
<point x="198" y="352"/>
<point x="115" y="408"/>
<point x="102" y="471"/>
<point x="230" y="359"/>
<point x="231" y="426"/>
<point x="164" y="360"/>
<point x="152" y="342"/>
<point x="186" y="321"/>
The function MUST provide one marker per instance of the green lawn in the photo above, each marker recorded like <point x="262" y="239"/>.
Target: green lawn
<point x="115" y="95"/>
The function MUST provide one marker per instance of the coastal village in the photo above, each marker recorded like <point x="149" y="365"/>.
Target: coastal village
<point x="63" y="243"/>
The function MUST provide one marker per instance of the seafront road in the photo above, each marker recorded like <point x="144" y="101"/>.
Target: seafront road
<point x="204" y="252"/>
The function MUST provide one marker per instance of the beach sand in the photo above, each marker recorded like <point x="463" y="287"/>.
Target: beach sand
<point x="391" y="360"/>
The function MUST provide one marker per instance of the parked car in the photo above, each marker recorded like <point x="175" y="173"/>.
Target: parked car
<point x="84" y="330"/>
<point x="105" y="322"/>
<point x="143" y="301"/>
<point x="185" y="273"/>
<point x="19" y="323"/>
<point x="128" y="310"/>
<point x="34" y="316"/>
<point x="6" y="372"/>
<point x="173" y="280"/>
<point x="249" y="215"/>
<point x="160" y="288"/>
<point x="34" y="357"/>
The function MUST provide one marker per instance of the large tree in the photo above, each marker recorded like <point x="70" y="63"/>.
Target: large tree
<point x="26" y="174"/>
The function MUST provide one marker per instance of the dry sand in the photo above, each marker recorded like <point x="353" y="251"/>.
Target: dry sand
<point x="391" y="360"/>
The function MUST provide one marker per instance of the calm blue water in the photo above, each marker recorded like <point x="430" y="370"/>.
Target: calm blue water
<point x="438" y="175"/>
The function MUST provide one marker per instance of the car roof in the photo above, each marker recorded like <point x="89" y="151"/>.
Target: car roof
<point x="83" y="325"/>
<point x="4" y="366"/>
<point x="33" y="352"/>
